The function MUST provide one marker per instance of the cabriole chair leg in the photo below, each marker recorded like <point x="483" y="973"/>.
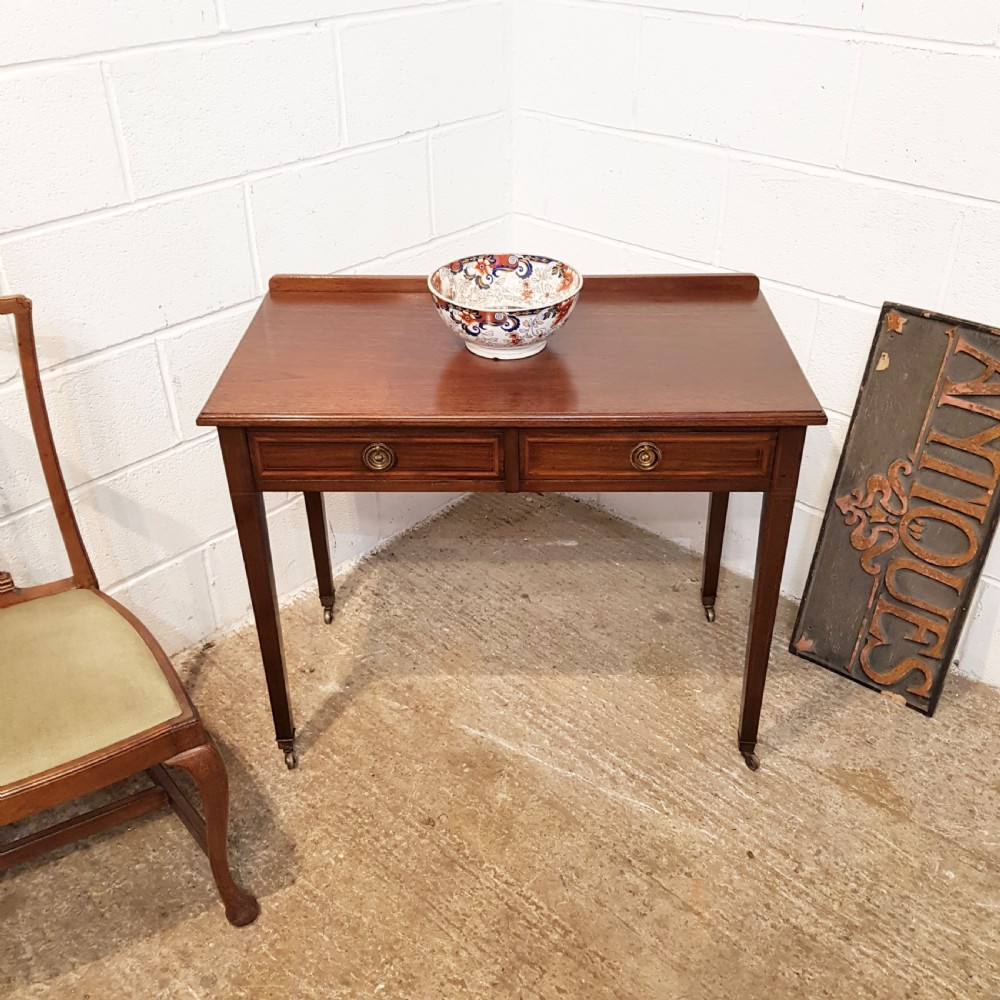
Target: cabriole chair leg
<point x="205" y="765"/>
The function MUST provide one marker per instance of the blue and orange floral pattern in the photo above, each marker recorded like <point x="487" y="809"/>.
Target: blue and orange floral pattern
<point x="484" y="270"/>
<point x="499" y="302"/>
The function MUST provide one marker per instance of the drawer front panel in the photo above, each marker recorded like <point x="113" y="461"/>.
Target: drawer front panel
<point x="645" y="458"/>
<point x="368" y="458"/>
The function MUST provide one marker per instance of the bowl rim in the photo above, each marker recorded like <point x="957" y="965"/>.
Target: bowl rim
<point x="507" y="312"/>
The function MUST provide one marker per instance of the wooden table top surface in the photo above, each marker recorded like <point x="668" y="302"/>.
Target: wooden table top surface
<point x="664" y="350"/>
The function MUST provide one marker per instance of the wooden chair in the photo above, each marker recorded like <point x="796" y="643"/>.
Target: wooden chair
<point x="88" y="697"/>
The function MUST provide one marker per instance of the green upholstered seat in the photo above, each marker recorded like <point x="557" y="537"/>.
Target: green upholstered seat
<point x="75" y="677"/>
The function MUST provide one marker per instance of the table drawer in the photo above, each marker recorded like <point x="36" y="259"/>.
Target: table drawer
<point x="645" y="459"/>
<point x="377" y="459"/>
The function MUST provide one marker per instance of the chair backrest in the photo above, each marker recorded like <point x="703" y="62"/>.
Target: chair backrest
<point x="83" y="572"/>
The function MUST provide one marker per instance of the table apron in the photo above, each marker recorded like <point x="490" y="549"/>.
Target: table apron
<point x="434" y="460"/>
<point x="374" y="484"/>
<point x="692" y="483"/>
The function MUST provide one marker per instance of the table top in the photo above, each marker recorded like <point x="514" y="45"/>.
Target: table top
<point x="665" y="350"/>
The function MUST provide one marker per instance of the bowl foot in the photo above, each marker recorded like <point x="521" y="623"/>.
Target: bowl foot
<point x="505" y="353"/>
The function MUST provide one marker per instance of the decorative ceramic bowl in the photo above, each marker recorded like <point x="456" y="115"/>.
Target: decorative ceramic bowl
<point x="505" y="305"/>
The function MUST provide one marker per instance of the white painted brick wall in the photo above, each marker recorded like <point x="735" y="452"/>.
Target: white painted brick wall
<point x="930" y="118"/>
<point x="662" y="195"/>
<point x="32" y="550"/>
<point x="99" y="280"/>
<point x="803" y="82"/>
<point x="974" y="288"/>
<point x="125" y="387"/>
<point x="840" y="347"/>
<point x="262" y="13"/>
<point x="260" y="115"/>
<point x="292" y="561"/>
<point x="595" y="254"/>
<point x="192" y="355"/>
<point x="174" y="599"/>
<point x="979" y="652"/>
<point x="34" y="31"/>
<point x="797" y="226"/>
<point x="590" y="73"/>
<point x="66" y="161"/>
<point x="830" y="13"/>
<point x="846" y="151"/>
<point x="975" y="21"/>
<point x="154" y="510"/>
<point x="167" y="159"/>
<point x="470" y="167"/>
<point x="421" y="69"/>
<point x="330" y="216"/>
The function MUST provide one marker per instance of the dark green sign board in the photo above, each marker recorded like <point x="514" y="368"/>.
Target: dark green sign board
<point x="912" y="508"/>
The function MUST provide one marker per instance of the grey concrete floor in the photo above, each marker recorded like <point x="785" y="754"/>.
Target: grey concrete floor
<point x="519" y="779"/>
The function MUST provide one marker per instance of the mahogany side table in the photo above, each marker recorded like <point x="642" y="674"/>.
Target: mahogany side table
<point x="660" y="382"/>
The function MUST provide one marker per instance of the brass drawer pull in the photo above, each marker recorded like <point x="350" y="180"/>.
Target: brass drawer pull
<point x="378" y="457"/>
<point x="645" y="456"/>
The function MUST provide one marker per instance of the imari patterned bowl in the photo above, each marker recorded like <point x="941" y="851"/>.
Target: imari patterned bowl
<point x="505" y="305"/>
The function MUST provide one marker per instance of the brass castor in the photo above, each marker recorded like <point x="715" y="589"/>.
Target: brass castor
<point x="291" y="759"/>
<point x="709" y="613"/>
<point x="328" y="615"/>
<point x="752" y="760"/>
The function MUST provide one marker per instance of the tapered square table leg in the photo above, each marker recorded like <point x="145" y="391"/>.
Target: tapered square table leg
<point x="717" y="508"/>
<point x="316" y="515"/>
<point x="251" y="527"/>
<point x="775" y="521"/>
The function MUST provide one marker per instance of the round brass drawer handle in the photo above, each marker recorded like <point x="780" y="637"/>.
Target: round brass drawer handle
<point x="645" y="456"/>
<point x="378" y="457"/>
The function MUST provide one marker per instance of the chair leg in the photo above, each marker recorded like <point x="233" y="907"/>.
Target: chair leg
<point x="205" y="765"/>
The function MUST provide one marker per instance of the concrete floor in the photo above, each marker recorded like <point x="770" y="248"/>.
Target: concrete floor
<point x="519" y="779"/>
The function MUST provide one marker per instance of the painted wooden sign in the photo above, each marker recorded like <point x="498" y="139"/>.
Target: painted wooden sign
<point x="912" y="508"/>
